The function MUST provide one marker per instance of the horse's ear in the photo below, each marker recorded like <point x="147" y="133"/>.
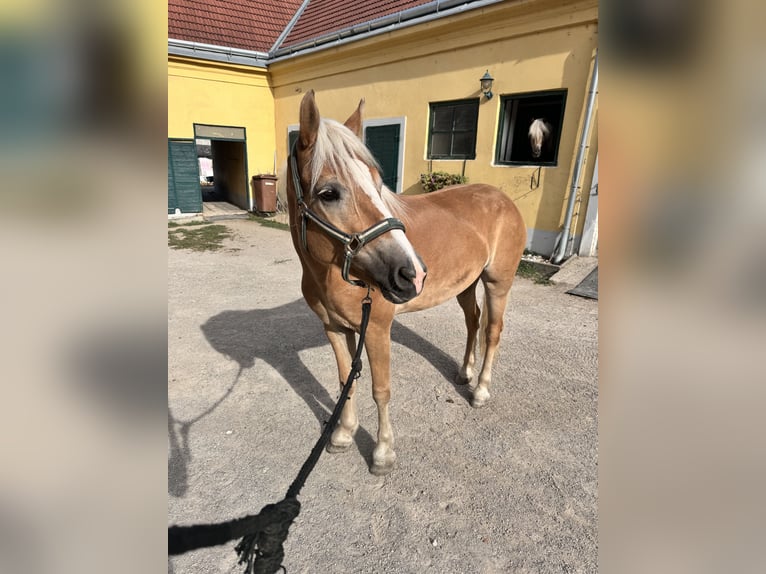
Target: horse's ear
<point x="354" y="121"/>
<point x="309" y="119"/>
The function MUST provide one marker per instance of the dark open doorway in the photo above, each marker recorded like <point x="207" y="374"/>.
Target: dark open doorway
<point x="230" y="172"/>
<point x="226" y="147"/>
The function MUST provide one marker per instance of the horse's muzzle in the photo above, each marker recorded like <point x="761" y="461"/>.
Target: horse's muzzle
<point x="405" y="282"/>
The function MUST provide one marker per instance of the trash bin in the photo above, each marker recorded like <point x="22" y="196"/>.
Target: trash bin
<point x="265" y="192"/>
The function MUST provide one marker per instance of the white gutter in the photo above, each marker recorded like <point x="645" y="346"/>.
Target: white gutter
<point x="563" y="246"/>
<point x="217" y="53"/>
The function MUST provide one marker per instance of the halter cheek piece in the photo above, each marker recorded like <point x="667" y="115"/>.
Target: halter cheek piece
<point x="352" y="243"/>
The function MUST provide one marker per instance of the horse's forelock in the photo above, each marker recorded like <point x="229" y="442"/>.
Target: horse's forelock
<point x="539" y="128"/>
<point x="337" y="149"/>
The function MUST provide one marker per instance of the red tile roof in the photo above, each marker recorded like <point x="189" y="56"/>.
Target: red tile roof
<point x="321" y="17"/>
<point x="257" y="24"/>
<point x="247" y="24"/>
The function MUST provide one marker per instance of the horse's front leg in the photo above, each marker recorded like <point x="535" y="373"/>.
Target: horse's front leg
<point x="378" y="347"/>
<point x="343" y="344"/>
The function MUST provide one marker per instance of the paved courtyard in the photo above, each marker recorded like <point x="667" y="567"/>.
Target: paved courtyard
<point x="511" y="487"/>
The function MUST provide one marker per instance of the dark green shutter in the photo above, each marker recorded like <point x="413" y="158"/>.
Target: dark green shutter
<point x="183" y="177"/>
<point x="383" y="142"/>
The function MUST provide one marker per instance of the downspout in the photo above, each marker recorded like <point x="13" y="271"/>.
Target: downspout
<point x="563" y="246"/>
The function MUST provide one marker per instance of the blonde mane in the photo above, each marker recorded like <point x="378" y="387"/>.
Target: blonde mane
<point x="336" y="148"/>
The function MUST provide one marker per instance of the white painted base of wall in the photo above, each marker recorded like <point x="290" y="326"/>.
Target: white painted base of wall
<point x="544" y="242"/>
<point x="185" y="216"/>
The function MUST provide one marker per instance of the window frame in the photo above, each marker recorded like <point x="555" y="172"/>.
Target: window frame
<point x="431" y="116"/>
<point x="504" y="99"/>
<point x="219" y="132"/>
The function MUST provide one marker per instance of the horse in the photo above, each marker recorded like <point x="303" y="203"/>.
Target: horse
<point x="411" y="252"/>
<point x="539" y="136"/>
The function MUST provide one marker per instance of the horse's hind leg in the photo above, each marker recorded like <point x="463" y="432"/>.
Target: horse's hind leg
<point x="343" y="344"/>
<point x="467" y="301"/>
<point x="496" y="298"/>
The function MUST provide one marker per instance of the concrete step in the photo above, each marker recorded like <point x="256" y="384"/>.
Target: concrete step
<point x="574" y="270"/>
<point x="221" y="210"/>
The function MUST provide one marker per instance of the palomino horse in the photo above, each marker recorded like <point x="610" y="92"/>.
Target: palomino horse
<point x="349" y="231"/>
<point x="539" y="137"/>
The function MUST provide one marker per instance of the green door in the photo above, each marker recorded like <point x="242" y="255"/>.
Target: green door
<point x="383" y="142"/>
<point x="184" y="192"/>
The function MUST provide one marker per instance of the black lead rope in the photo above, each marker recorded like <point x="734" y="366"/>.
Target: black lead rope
<point x="263" y="535"/>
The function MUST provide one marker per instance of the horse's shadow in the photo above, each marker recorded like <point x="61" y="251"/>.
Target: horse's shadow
<point x="277" y="336"/>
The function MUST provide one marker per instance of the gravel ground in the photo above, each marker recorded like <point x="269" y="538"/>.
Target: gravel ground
<point x="511" y="487"/>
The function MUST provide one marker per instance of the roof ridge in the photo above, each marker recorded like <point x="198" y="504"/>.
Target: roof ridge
<point x="289" y="27"/>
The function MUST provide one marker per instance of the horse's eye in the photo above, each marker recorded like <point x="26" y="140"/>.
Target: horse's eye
<point x="328" y="194"/>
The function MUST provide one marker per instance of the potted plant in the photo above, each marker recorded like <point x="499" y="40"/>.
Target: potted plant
<point x="434" y="180"/>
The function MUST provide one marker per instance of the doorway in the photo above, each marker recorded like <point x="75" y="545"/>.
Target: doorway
<point x="227" y="149"/>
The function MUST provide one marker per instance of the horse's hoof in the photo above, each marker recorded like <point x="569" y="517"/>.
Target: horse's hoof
<point x="341" y="439"/>
<point x="381" y="469"/>
<point x="383" y="462"/>
<point x="480" y="397"/>
<point x="462" y="379"/>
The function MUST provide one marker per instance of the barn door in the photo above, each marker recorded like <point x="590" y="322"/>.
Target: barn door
<point x="184" y="191"/>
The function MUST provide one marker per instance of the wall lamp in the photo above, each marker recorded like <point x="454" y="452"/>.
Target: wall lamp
<point x="486" y="84"/>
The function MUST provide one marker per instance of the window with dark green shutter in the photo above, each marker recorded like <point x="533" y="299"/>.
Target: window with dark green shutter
<point x="452" y="129"/>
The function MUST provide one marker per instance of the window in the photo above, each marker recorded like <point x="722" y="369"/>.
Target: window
<point x="452" y="129"/>
<point x="219" y="132"/>
<point x="517" y="112"/>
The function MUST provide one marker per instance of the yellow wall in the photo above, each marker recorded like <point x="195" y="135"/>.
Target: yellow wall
<point x="526" y="47"/>
<point x="222" y="94"/>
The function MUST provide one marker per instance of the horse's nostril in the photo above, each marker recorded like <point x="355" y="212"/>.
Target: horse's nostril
<point x="408" y="272"/>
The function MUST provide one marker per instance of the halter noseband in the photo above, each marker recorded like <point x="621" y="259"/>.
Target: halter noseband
<point x="352" y="243"/>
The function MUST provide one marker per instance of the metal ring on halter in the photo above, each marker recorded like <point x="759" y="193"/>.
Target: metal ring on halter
<point x="354" y="244"/>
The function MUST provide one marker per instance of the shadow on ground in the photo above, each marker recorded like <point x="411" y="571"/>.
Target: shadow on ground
<point x="277" y="336"/>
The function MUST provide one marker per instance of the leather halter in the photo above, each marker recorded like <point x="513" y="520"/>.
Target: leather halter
<point x="352" y="243"/>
